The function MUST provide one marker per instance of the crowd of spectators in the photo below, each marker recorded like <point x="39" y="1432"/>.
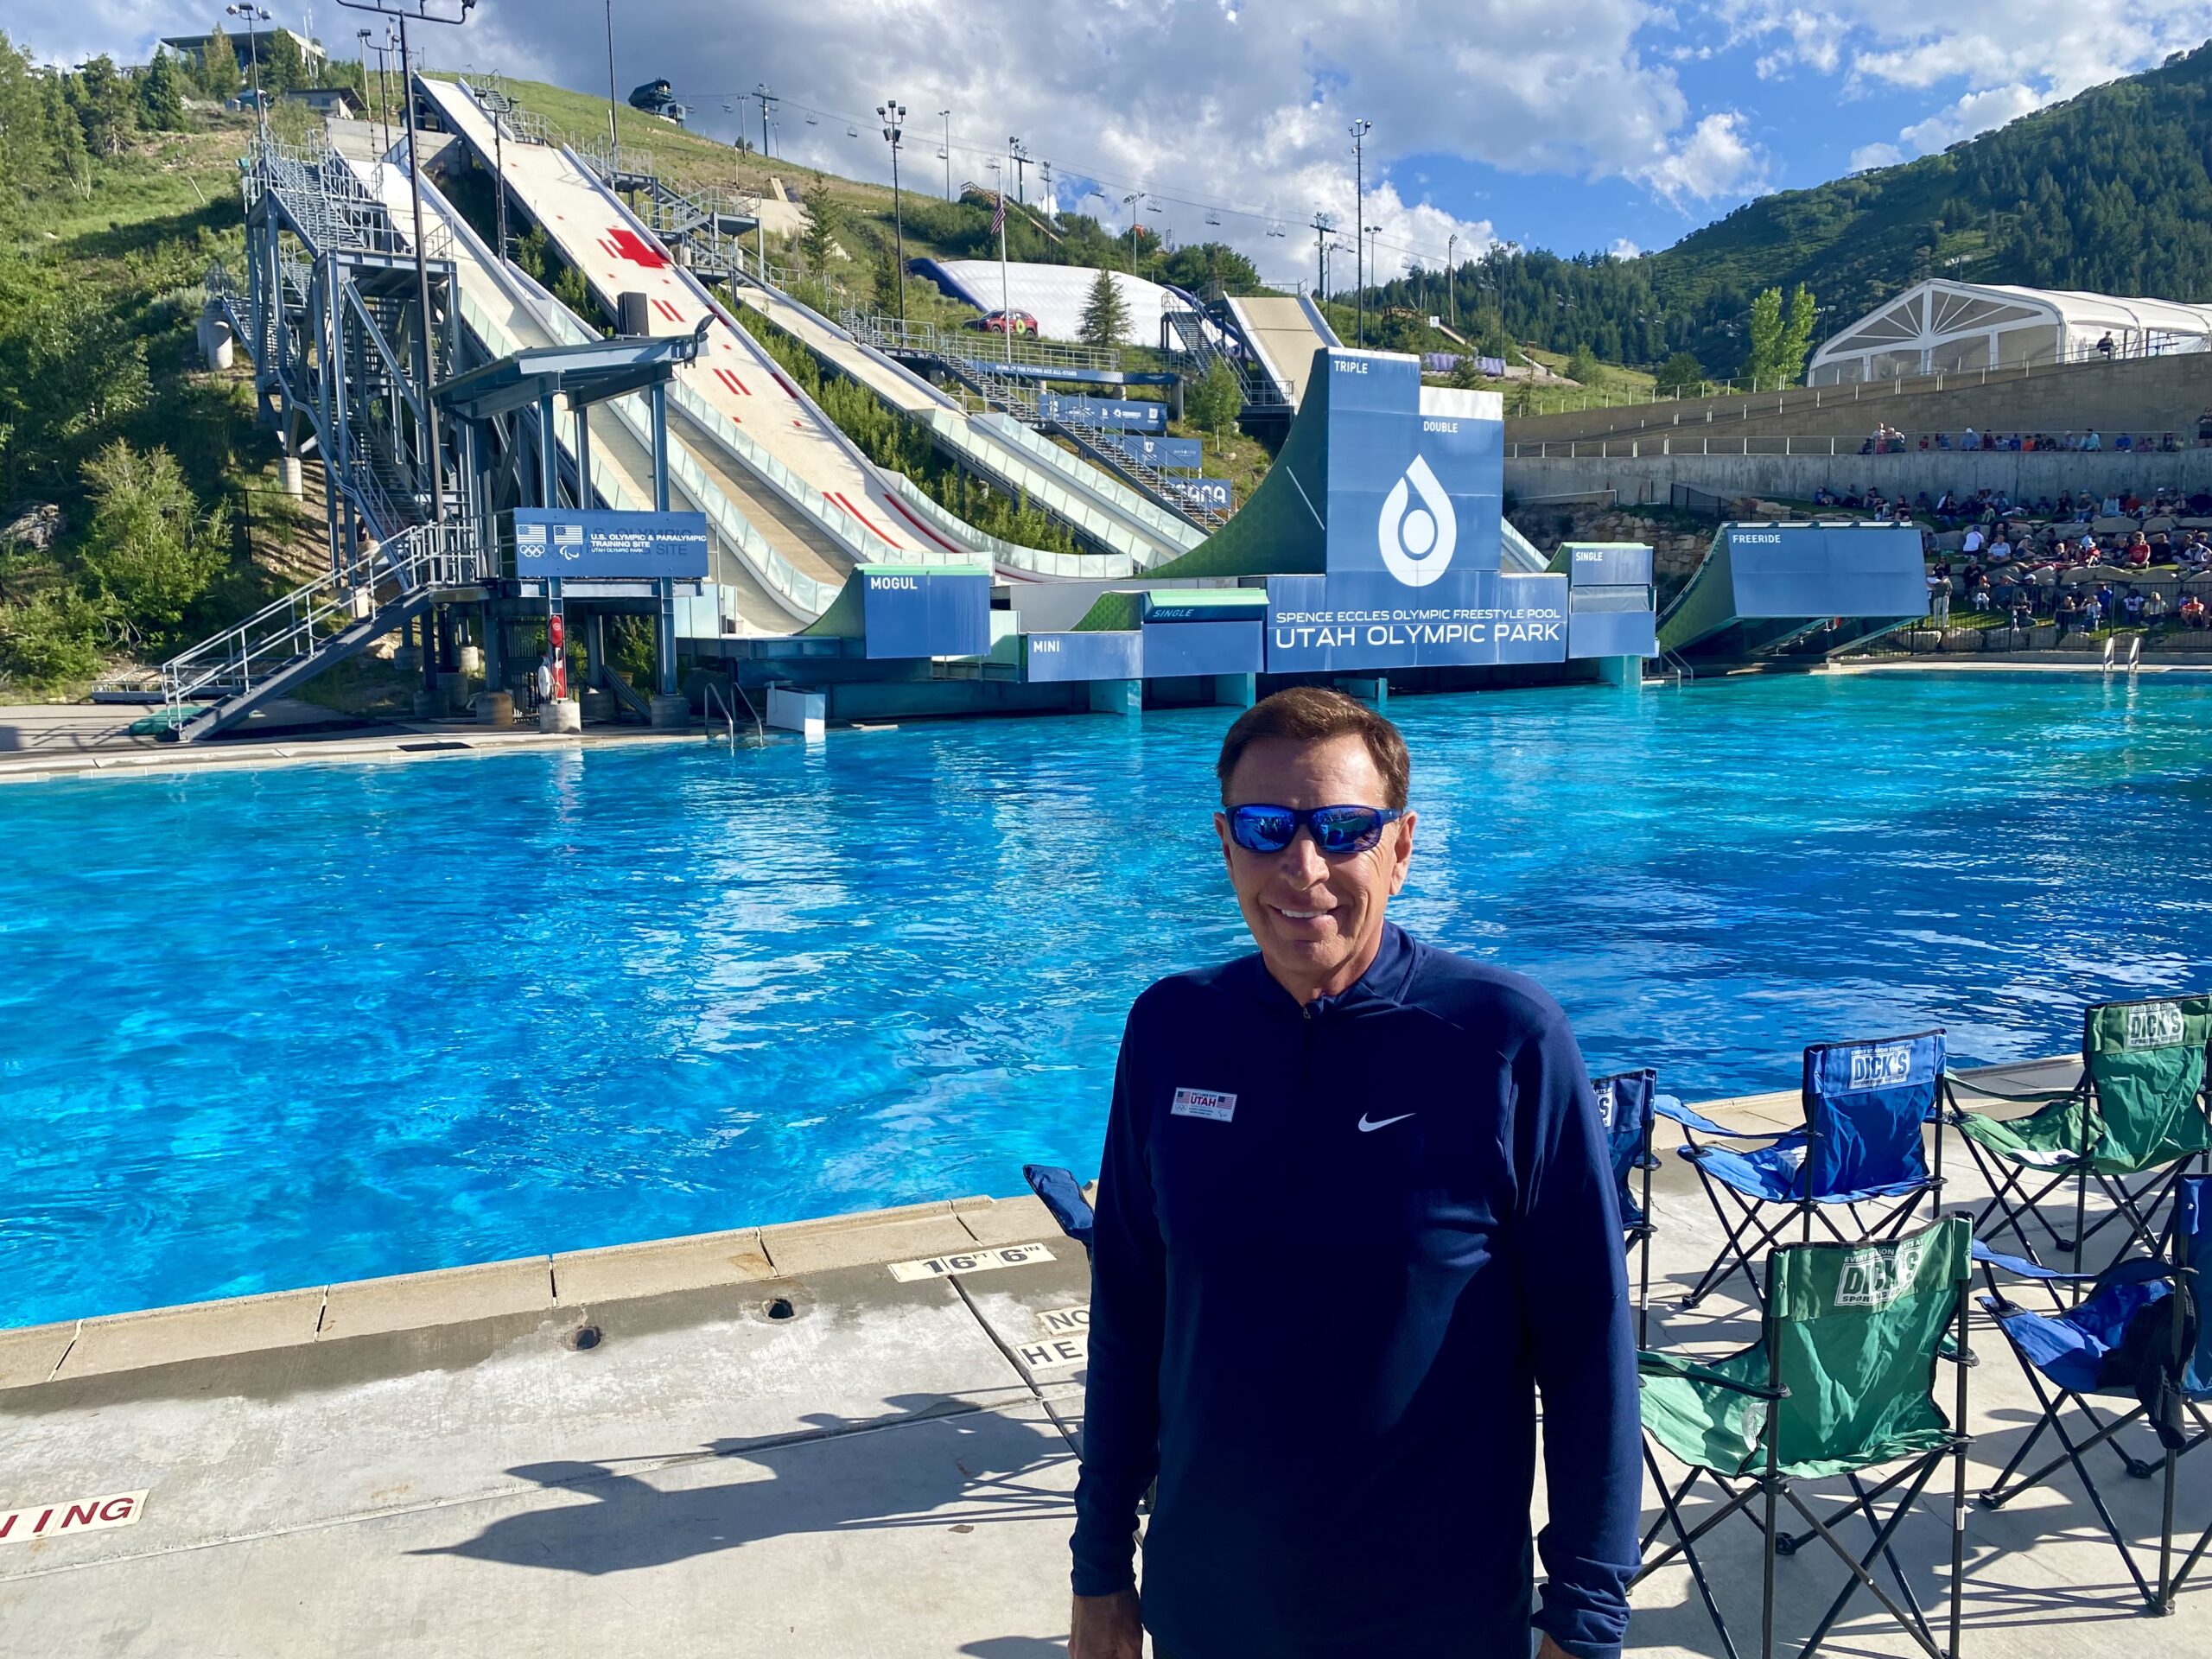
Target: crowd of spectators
<point x="1952" y="511"/>
<point x="1886" y="440"/>
<point x="2029" y="573"/>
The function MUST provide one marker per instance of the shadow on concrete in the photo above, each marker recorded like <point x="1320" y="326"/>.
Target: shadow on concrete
<point x="1017" y="1647"/>
<point x="930" y="1462"/>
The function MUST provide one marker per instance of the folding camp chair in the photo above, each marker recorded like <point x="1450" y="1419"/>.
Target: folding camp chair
<point x="1842" y="1382"/>
<point x="1627" y="1103"/>
<point x="1866" y="1103"/>
<point x="2131" y="1125"/>
<point x="2139" y="1331"/>
<point x="1062" y="1194"/>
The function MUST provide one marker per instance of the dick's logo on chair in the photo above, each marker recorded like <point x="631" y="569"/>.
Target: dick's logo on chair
<point x="2154" y="1024"/>
<point x="1876" y="1277"/>
<point x="1881" y="1066"/>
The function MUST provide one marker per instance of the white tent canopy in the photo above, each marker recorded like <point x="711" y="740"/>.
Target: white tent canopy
<point x="1056" y="295"/>
<point x="1940" y="326"/>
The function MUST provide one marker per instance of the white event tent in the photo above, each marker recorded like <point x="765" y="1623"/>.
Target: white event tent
<point x="1940" y="326"/>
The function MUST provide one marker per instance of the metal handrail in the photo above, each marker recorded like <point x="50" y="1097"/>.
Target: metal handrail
<point x="299" y="623"/>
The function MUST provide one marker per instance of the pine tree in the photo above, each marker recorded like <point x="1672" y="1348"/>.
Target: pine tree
<point x="161" y="95"/>
<point x="821" y="232"/>
<point x="1582" y="365"/>
<point x="106" y="106"/>
<point x="217" y="74"/>
<point x="1105" y="318"/>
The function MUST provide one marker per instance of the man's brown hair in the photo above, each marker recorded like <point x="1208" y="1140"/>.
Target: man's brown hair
<point x="1313" y="714"/>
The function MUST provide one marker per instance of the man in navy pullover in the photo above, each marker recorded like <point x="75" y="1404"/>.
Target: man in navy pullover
<point x="1355" y="1213"/>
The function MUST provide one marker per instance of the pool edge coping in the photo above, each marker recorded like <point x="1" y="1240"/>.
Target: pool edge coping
<point x="573" y="1281"/>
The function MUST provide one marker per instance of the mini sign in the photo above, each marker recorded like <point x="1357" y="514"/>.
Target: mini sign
<point x="34" y="1521"/>
<point x="943" y="1266"/>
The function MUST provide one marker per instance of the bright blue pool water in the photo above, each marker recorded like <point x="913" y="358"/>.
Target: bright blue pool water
<point x="279" y="1027"/>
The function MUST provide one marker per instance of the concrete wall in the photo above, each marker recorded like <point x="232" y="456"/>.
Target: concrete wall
<point x="2028" y="474"/>
<point x="2159" y="394"/>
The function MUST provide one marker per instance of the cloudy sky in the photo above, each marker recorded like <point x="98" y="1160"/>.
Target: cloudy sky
<point x="1572" y="125"/>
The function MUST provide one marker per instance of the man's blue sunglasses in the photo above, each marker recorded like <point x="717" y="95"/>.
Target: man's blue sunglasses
<point x="1338" y="831"/>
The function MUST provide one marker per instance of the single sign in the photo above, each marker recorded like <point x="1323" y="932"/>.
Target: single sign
<point x="943" y="1266"/>
<point x="59" y="1520"/>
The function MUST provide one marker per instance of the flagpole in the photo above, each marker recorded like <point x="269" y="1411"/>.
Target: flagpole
<point x="1006" y="303"/>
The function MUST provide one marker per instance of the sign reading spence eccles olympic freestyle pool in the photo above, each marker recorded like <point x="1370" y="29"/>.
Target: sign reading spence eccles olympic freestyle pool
<point x="553" y="543"/>
<point x="1413" y="480"/>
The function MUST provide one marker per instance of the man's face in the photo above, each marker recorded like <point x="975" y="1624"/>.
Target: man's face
<point x="1317" y="919"/>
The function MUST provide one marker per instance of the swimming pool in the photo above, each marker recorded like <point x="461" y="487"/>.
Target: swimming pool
<point x="284" y="1026"/>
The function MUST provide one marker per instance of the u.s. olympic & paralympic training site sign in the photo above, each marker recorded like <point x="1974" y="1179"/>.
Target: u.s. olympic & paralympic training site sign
<point x="655" y="545"/>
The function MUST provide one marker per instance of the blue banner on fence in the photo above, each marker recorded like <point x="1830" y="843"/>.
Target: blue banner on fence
<point x="1137" y="415"/>
<point x="551" y="543"/>
<point x="1206" y="492"/>
<point x="1167" y="454"/>
<point x="1340" y="623"/>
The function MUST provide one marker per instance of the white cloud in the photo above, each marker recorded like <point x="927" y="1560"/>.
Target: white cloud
<point x="1868" y="155"/>
<point x="1189" y="98"/>
<point x="1624" y="249"/>
<point x="1975" y="112"/>
<point x="1714" y="160"/>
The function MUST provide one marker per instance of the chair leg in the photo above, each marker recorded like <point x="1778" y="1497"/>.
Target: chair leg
<point x="1861" y="1577"/>
<point x="2166" y="1542"/>
<point x="1671" y="1515"/>
<point x="1766" y="1588"/>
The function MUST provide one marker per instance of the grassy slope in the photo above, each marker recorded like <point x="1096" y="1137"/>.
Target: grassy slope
<point x="141" y="242"/>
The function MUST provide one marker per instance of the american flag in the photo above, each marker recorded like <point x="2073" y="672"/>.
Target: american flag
<point x="998" y="213"/>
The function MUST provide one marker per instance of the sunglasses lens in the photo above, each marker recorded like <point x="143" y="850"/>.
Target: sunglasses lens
<point x="1261" y="829"/>
<point x="1347" y="829"/>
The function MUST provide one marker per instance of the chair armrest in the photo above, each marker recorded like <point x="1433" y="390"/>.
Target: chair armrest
<point x="1649" y="1363"/>
<point x="1062" y="1194"/>
<point x="1667" y="1107"/>
<point x="2020" y="1268"/>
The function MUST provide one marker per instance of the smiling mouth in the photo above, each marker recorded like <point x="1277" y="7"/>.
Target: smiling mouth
<point x="1302" y="915"/>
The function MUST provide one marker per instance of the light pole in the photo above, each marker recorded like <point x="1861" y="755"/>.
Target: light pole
<point x="253" y="17"/>
<point x="1321" y="229"/>
<point x="1451" y="283"/>
<point x="1021" y="170"/>
<point x="613" y="137"/>
<point x="1128" y="204"/>
<point x="424" y="14"/>
<point x="767" y="98"/>
<point x="500" y="106"/>
<point x="893" y="116"/>
<point x="1360" y="129"/>
<point x="946" y="154"/>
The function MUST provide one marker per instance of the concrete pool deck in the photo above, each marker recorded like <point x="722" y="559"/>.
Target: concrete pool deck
<point x="794" y="1439"/>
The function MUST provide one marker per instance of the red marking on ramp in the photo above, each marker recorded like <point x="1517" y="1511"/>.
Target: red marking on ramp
<point x="732" y="381"/>
<point x="907" y="514"/>
<point x="846" y="502"/>
<point x="628" y="245"/>
<point x="668" y="310"/>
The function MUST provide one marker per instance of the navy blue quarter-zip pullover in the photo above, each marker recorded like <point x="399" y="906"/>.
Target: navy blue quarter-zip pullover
<point x="1339" y="1248"/>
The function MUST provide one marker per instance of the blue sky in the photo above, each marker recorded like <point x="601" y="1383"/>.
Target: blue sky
<point x="1572" y="125"/>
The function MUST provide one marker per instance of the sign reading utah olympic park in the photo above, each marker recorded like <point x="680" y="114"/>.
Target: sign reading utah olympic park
<point x="1414" y="489"/>
<point x="564" y="543"/>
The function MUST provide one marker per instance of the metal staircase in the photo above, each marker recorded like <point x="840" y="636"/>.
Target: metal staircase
<point x="223" y="679"/>
<point x="1203" y="334"/>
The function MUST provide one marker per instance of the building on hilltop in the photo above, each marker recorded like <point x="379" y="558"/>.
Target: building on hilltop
<point x="247" y="44"/>
<point x="1940" y="326"/>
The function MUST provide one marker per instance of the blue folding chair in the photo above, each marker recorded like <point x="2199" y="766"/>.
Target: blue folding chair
<point x="2139" y="1333"/>
<point x="1062" y="1194"/>
<point x="1867" y="1103"/>
<point x="1627" y="1103"/>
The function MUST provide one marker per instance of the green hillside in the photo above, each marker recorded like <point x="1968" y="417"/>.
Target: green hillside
<point x="2106" y="192"/>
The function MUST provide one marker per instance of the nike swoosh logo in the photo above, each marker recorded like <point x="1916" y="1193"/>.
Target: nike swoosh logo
<point x="1366" y="1128"/>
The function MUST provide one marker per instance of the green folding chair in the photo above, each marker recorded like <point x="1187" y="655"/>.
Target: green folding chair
<point x="2132" y="1125"/>
<point x="1842" y="1382"/>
